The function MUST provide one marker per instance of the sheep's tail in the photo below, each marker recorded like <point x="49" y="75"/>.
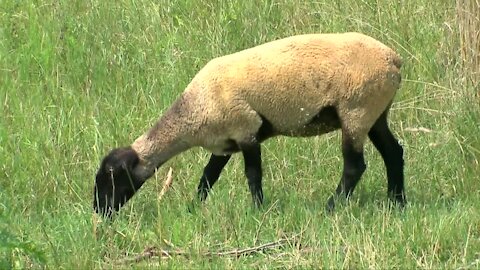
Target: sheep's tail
<point x="395" y="72"/>
<point x="397" y="61"/>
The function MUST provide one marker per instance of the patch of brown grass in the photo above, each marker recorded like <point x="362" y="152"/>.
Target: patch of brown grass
<point x="468" y="19"/>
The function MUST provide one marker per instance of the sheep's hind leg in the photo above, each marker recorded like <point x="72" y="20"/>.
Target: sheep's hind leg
<point x="210" y="174"/>
<point x="253" y="170"/>
<point x="392" y="154"/>
<point x="353" y="168"/>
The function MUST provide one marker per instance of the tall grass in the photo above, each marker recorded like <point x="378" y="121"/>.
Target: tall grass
<point x="468" y="18"/>
<point x="468" y="25"/>
<point x="78" y="78"/>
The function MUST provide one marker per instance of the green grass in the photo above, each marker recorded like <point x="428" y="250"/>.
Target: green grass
<point x="78" y="78"/>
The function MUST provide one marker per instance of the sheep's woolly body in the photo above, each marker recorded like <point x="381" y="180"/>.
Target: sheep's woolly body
<point x="287" y="82"/>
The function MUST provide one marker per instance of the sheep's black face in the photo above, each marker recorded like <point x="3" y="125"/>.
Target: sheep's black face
<point x="115" y="184"/>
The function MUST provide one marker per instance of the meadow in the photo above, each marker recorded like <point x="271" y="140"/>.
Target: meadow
<point x="78" y="78"/>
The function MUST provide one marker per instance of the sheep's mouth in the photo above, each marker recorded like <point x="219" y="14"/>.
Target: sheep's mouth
<point x="107" y="208"/>
<point x="102" y="208"/>
<point x="106" y="211"/>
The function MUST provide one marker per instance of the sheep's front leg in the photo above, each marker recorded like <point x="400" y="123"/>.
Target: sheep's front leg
<point x="210" y="174"/>
<point x="253" y="170"/>
<point x="353" y="168"/>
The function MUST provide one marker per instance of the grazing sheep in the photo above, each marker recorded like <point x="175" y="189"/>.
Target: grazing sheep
<point x="301" y="86"/>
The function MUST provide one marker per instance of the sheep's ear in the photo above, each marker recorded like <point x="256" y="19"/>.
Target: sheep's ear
<point x="120" y="158"/>
<point x="130" y="159"/>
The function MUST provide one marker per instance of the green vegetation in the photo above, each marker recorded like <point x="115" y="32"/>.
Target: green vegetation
<point x="80" y="77"/>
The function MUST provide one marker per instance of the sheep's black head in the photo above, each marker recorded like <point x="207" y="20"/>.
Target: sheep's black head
<point x="115" y="183"/>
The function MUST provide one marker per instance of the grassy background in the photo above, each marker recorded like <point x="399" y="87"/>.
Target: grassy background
<point x="78" y="78"/>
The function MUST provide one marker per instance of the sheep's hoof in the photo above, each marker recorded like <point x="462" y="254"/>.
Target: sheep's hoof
<point x="330" y="207"/>
<point x="398" y="200"/>
<point x="257" y="199"/>
<point x="398" y="204"/>
<point x="335" y="200"/>
<point x="193" y="205"/>
<point x="257" y="205"/>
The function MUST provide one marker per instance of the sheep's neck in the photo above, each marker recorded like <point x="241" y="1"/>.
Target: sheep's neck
<point x="169" y="137"/>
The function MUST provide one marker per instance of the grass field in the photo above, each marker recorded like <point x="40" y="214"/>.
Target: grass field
<point x="78" y="78"/>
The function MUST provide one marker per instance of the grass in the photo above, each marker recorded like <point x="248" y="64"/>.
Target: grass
<point x="469" y="24"/>
<point x="78" y="78"/>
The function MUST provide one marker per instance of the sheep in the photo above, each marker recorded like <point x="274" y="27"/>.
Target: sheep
<point x="299" y="86"/>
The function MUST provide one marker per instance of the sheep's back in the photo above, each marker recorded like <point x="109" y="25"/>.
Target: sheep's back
<point x="289" y="81"/>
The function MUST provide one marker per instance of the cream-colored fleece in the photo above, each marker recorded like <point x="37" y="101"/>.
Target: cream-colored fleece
<point x="288" y="82"/>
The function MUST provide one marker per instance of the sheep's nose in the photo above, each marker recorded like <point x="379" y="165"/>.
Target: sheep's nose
<point x="105" y="212"/>
<point x="102" y="209"/>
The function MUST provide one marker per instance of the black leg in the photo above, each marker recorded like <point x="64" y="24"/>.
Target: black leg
<point x="353" y="168"/>
<point x="253" y="170"/>
<point x="210" y="174"/>
<point x="392" y="154"/>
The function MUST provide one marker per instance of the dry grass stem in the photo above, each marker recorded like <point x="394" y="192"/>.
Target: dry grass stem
<point x="468" y="18"/>
<point x="152" y="252"/>
<point x="167" y="184"/>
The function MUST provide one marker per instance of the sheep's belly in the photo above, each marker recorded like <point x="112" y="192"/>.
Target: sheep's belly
<point x="325" y="121"/>
<point x="311" y="130"/>
<point x="222" y="146"/>
<point x="226" y="141"/>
